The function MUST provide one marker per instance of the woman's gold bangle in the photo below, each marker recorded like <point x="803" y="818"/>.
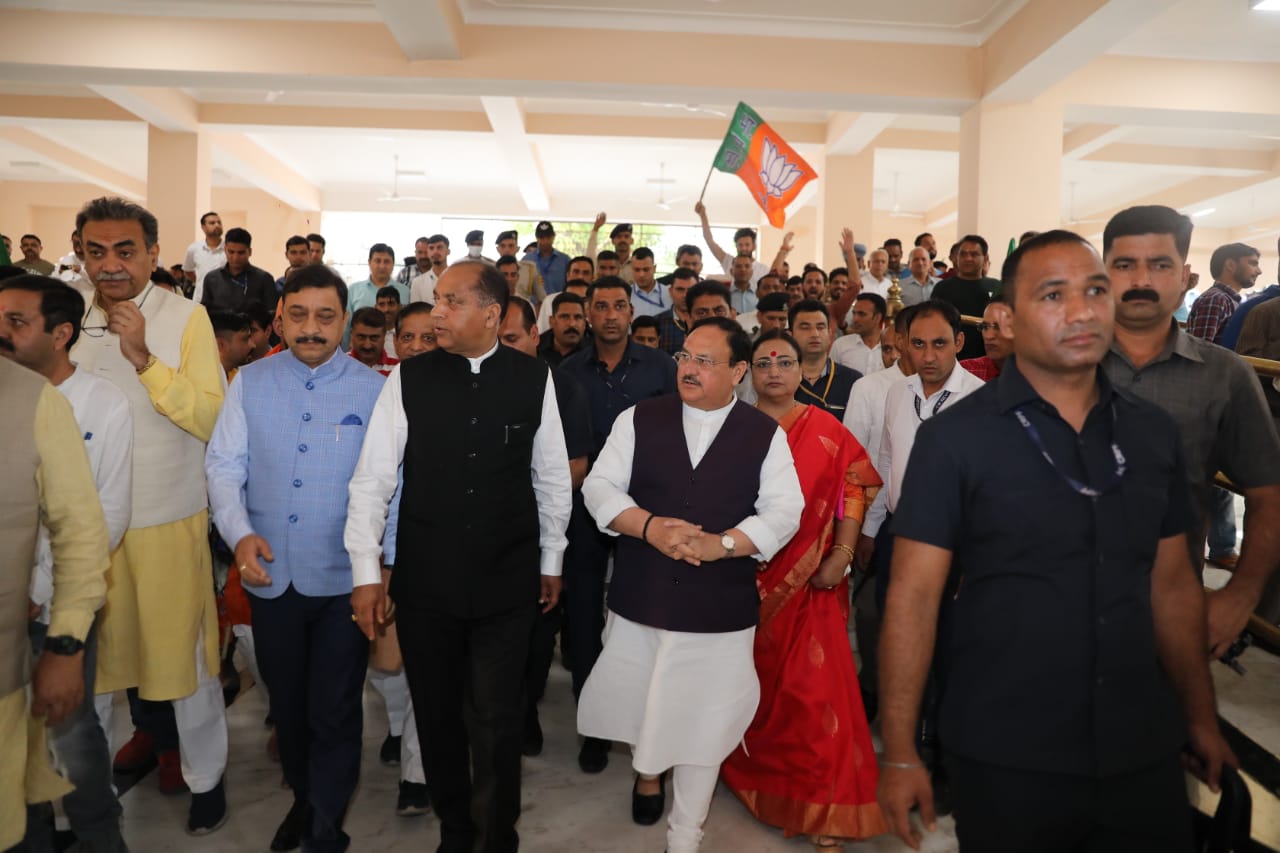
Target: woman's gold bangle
<point x="841" y="546"/>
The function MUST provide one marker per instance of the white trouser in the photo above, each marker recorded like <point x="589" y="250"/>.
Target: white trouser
<point x="202" y="728"/>
<point x="692" y="787"/>
<point x="245" y="648"/>
<point x="394" y="690"/>
<point x="411" y="751"/>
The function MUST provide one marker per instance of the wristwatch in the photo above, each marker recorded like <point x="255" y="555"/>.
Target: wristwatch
<point x="63" y="645"/>
<point x="729" y="544"/>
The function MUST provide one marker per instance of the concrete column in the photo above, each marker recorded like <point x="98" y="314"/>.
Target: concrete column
<point x="1010" y="172"/>
<point x="179" y="173"/>
<point x="847" y="201"/>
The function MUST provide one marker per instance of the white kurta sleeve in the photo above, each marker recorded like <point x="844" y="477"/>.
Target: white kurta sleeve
<point x="374" y="482"/>
<point x="552" y="483"/>
<point x="226" y="464"/>
<point x="779" y="502"/>
<point x="114" y="476"/>
<point x="605" y="490"/>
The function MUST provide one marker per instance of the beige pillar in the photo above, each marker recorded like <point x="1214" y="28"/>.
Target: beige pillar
<point x="848" y="201"/>
<point x="178" y="188"/>
<point x="1010" y="172"/>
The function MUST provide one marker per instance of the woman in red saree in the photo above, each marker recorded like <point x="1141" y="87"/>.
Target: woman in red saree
<point x="807" y="764"/>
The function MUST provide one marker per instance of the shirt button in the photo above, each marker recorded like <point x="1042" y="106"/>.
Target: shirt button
<point x="310" y="385"/>
<point x="302" y="448"/>
<point x="676" y="581"/>
<point x="471" y="455"/>
<point x="293" y="519"/>
<point x="471" y="491"/>
<point x="306" y="416"/>
<point x="475" y="421"/>
<point x="297" y="484"/>
<point x="1138" y="378"/>
<point x="475" y="384"/>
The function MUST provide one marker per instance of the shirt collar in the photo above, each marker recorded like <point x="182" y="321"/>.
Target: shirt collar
<point x="708" y="415"/>
<point x="329" y="367"/>
<point x="476" y="362"/>
<point x="1178" y="343"/>
<point x="916" y="384"/>
<point x="1013" y="389"/>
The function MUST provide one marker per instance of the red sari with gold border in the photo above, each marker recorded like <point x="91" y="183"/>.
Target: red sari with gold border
<point x="807" y="764"/>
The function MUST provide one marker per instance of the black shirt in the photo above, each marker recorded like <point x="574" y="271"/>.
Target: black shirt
<point x="547" y="348"/>
<point x="970" y="296"/>
<point x="575" y="414"/>
<point x="831" y="391"/>
<point x="1046" y="649"/>
<point x="641" y="373"/>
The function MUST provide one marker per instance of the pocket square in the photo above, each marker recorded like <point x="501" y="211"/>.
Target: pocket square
<point x="351" y="420"/>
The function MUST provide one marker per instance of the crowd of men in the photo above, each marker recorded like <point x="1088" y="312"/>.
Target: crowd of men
<point x="422" y="477"/>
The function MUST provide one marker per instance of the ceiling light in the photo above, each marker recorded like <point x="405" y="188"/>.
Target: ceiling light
<point x="1265" y="5"/>
<point x="1204" y="212"/>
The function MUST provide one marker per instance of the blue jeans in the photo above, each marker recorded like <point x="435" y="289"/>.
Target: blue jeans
<point x="1222" y="523"/>
<point x="81" y="748"/>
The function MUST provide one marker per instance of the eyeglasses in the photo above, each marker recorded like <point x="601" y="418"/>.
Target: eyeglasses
<point x="99" y="331"/>
<point x="764" y="365"/>
<point x="700" y="360"/>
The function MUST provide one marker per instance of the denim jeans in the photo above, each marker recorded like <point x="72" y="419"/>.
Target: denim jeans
<point x="80" y="747"/>
<point x="1222" y="523"/>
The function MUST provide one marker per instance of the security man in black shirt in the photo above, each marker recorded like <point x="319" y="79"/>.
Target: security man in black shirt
<point x="1050" y="508"/>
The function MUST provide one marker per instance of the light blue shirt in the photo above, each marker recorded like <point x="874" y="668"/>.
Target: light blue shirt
<point x="364" y="294"/>
<point x="279" y="462"/>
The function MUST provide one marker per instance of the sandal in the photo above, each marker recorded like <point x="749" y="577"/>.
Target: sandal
<point x="826" y="842"/>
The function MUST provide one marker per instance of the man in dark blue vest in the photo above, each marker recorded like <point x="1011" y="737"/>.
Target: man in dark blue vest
<point x="483" y="512"/>
<point x="685" y="480"/>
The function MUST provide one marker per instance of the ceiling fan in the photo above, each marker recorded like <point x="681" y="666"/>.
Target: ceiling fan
<point x="394" y="195"/>
<point x="689" y="108"/>
<point x="896" y="212"/>
<point x="662" y="182"/>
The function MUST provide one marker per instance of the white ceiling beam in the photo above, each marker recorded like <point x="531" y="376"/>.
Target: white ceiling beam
<point x="424" y="29"/>
<point x="73" y="163"/>
<point x="507" y="119"/>
<point x="167" y="109"/>
<point x="1088" y="138"/>
<point x="241" y="156"/>
<point x="850" y="133"/>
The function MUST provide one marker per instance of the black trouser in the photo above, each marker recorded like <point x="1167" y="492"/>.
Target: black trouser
<point x="998" y="810"/>
<point x="154" y="718"/>
<point x="317" y="658"/>
<point x="542" y="648"/>
<point x="466" y="677"/>
<point x="586" y="564"/>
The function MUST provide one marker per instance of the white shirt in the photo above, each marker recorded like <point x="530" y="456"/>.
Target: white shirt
<point x="106" y="422"/>
<point x="376" y="474"/>
<point x="545" y="313"/>
<point x="778" y="504"/>
<point x="864" y="416"/>
<point x="898" y="435"/>
<point x="202" y="260"/>
<point x="851" y="351"/>
<point x="758" y="270"/>
<point x="750" y="323"/>
<point x="649" y="304"/>
<point x="74" y="267"/>
<point x="422" y="288"/>
<point x="871" y="284"/>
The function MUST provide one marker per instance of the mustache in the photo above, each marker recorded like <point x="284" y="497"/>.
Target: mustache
<point x="691" y="380"/>
<point x="1139" y="294"/>
<point x="6" y="345"/>
<point x="112" y="276"/>
<point x="310" y="339"/>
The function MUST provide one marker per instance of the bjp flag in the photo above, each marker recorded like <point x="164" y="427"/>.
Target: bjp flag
<point x="771" y="169"/>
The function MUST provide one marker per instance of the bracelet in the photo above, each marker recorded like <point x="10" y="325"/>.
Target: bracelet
<point x="151" y="360"/>
<point x="902" y="765"/>
<point x="844" y="548"/>
<point x="644" y="531"/>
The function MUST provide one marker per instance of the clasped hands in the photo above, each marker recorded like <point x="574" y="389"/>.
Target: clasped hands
<point x="683" y="540"/>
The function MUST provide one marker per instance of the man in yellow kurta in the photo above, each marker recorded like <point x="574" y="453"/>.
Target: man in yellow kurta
<point x="47" y="479"/>
<point x="159" y="627"/>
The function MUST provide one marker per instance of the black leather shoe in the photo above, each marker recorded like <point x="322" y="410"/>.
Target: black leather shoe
<point x="594" y="755"/>
<point x="413" y="799"/>
<point x="289" y="833"/>
<point x="389" y="754"/>
<point x="532" y="733"/>
<point x="208" y="811"/>
<point x="647" y="809"/>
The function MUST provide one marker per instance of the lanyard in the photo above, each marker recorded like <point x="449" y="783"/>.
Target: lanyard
<point x="643" y="298"/>
<point x="1080" y="488"/>
<point x="936" y="406"/>
<point x="831" y="375"/>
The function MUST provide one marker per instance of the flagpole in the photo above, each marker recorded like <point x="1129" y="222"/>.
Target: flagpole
<point x="706" y="182"/>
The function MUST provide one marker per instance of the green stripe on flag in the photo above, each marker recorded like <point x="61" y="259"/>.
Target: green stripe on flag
<point x="737" y="141"/>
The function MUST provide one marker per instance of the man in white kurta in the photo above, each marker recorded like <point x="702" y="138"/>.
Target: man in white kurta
<point x="676" y="679"/>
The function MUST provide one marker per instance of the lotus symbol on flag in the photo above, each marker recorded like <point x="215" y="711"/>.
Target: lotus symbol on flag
<point x="777" y="175"/>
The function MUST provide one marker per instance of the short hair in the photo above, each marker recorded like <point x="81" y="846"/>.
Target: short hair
<point x="160" y="275"/>
<point x="30" y="237"/>
<point x="738" y="339"/>
<point x="1228" y="252"/>
<point x="438" y="238"/>
<point x="805" y="306"/>
<point x="892" y="241"/>
<point x="606" y="255"/>
<point x="507" y="261"/>
<point x="207" y="215"/>
<point x="413" y="309"/>
<point x="684" y="274"/>
<point x="116" y="209"/>
<point x="528" y="317"/>
<point x="369" y="316"/>
<point x="770" y="274"/>
<point x="1025" y="236"/>
<point x="902" y="320"/>
<point x="940" y="308"/>
<point x="229" y="322"/>
<point x="688" y="249"/>
<point x="317" y="275"/>
<point x="707" y="288"/>
<point x="608" y="282"/>
<point x="777" y="301"/>
<point x="744" y="232"/>
<point x="388" y="292"/>
<point x="796" y="280"/>
<point x="259" y="314"/>
<point x="578" y="259"/>
<point x="1149" y="219"/>
<point x="567" y="299"/>
<point x="776" y="335"/>
<point x="808" y="268"/>
<point x="644" y="253"/>
<point x="238" y="236"/>
<point x="878" y="305"/>
<point x="295" y="240"/>
<point x="647" y="321"/>
<point x="59" y="302"/>
<point x="974" y="238"/>
<point x="315" y="238"/>
<point x="920" y="237"/>
<point x="382" y="249"/>
<point x="489" y="284"/>
<point x="844" y="271"/>
<point x="1042" y="240"/>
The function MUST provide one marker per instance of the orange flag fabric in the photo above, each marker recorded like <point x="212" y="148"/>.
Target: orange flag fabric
<point x="771" y="169"/>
